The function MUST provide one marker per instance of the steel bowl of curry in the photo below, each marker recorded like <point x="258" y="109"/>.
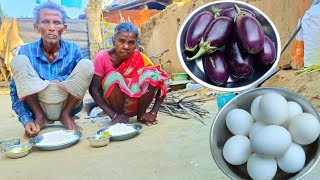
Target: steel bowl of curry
<point x="17" y="151"/>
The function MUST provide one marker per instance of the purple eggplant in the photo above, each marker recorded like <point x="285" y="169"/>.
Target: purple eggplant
<point x="216" y="68"/>
<point x="231" y="12"/>
<point x="216" y="36"/>
<point x="197" y="29"/>
<point x="268" y="54"/>
<point x="240" y="63"/>
<point x="249" y="32"/>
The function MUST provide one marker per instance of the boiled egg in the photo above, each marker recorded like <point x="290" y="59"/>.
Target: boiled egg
<point x="271" y="141"/>
<point x="304" y="128"/>
<point x="293" y="159"/>
<point x="261" y="168"/>
<point x="239" y="122"/>
<point x="273" y="108"/>
<point x="256" y="127"/>
<point x="294" y="109"/>
<point x="237" y="150"/>
<point x="254" y="110"/>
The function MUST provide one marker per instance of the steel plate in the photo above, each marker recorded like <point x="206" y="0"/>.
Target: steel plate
<point x="123" y="137"/>
<point x="36" y="140"/>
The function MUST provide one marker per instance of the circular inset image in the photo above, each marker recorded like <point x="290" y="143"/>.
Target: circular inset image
<point x="228" y="46"/>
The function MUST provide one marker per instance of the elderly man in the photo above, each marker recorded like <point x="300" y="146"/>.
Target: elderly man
<point x="50" y="77"/>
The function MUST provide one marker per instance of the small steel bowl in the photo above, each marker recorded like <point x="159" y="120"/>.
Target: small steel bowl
<point x="220" y="134"/>
<point x="195" y="68"/>
<point x="17" y="151"/>
<point x="9" y="142"/>
<point x="96" y="141"/>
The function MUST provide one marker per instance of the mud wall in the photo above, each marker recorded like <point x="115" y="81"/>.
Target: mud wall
<point x="138" y="17"/>
<point x="160" y="32"/>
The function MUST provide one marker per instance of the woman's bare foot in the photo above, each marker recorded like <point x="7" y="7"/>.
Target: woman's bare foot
<point x="149" y="118"/>
<point x="69" y="123"/>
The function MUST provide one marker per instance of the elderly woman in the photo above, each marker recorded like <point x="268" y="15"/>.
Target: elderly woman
<point x="125" y="80"/>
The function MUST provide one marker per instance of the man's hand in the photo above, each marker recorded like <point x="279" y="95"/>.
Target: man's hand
<point x="31" y="129"/>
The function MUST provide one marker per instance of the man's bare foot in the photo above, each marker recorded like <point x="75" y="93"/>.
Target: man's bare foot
<point x="69" y="123"/>
<point x="40" y="120"/>
<point x="149" y="119"/>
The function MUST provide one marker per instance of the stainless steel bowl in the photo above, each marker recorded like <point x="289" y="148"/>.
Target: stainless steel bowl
<point x="195" y="68"/>
<point x="17" y="151"/>
<point x="220" y="134"/>
<point x="9" y="142"/>
<point x="96" y="141"/>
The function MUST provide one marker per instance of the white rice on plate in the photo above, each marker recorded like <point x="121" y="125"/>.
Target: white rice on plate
<point x="120" y="129"/>
<point x="56" y="137"/>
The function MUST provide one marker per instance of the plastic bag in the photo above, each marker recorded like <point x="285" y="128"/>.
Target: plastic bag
<point x="311" y="37"/>
<point x="297" y="54"/>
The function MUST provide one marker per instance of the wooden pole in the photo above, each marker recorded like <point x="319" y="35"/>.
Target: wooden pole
<point x="94" y="13"/>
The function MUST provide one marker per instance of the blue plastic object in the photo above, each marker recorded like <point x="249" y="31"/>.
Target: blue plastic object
<point x="73" y="3"/>
<point x="223" y="98"/>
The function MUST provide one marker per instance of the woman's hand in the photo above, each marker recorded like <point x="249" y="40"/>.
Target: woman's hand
<point x="119" y="118"/>
<point x="149" y="118"/>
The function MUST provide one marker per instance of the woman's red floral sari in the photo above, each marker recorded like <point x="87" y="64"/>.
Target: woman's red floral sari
<point x="133" y="77"/>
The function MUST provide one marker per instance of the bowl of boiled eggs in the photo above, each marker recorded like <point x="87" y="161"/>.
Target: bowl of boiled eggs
<point x="266" y="133"/>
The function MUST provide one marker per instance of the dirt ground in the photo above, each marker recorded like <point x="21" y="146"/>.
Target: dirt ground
<point x="174" y="149"/>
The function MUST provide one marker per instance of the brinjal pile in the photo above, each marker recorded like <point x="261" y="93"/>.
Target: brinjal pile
<point x="230" y="42"/>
